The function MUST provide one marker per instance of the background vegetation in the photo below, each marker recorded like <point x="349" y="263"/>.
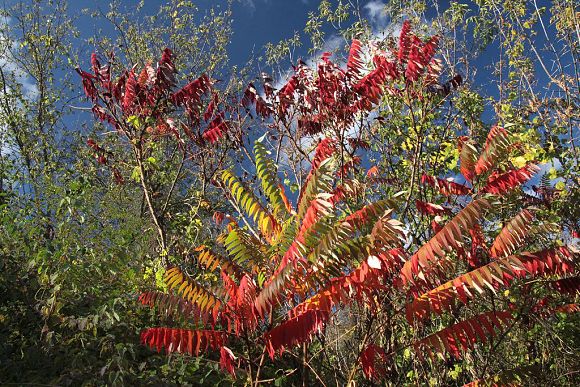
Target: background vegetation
<point x="92" y="214"/>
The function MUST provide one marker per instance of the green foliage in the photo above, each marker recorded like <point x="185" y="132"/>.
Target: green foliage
<point x="79" y="240"/>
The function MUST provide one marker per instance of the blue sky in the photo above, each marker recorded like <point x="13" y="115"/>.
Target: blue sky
<point x="258" y="22"/>
<point x="255" y="22"/>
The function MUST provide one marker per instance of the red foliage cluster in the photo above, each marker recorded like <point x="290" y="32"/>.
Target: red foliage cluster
<point x="330" y="97"/>
<point x="500" y="183"/>
<point x="101" y="156"/>
<point x="415" y="53"/>
<point x="462" y="336"/>
<point x="306" y="249"/>
<point x="295" y="330"/>
<point x="240" y="313"/>
<point x="497" y="140"/>
<point x="99" y="151"/>
<point x="445" y="187"/>
<point x="549" y="261"/>
<point x="373" y="361"/>
<point x="567" y="285"/>
<point x="361" y="283"/>
<point x="151" y="94"/>
<point x="478" y="246"/>
<point x="182" y="340"/>
<point x="430" y="208"/>
<point x="227" y="360"/>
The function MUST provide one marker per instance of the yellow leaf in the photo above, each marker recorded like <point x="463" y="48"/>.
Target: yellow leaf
<point x="519" y="161"/>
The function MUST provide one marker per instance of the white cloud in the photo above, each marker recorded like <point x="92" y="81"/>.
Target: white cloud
<point x="12" y="71"/>
<point x="11" y="67"/>
<point x="376" y="12"/>
<point x="5" y="20"/>
<point x="331" y="44"/>
<point x="251" y="4"/>
<point x="381" y="25"/>
<point x="544" y="169"/>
